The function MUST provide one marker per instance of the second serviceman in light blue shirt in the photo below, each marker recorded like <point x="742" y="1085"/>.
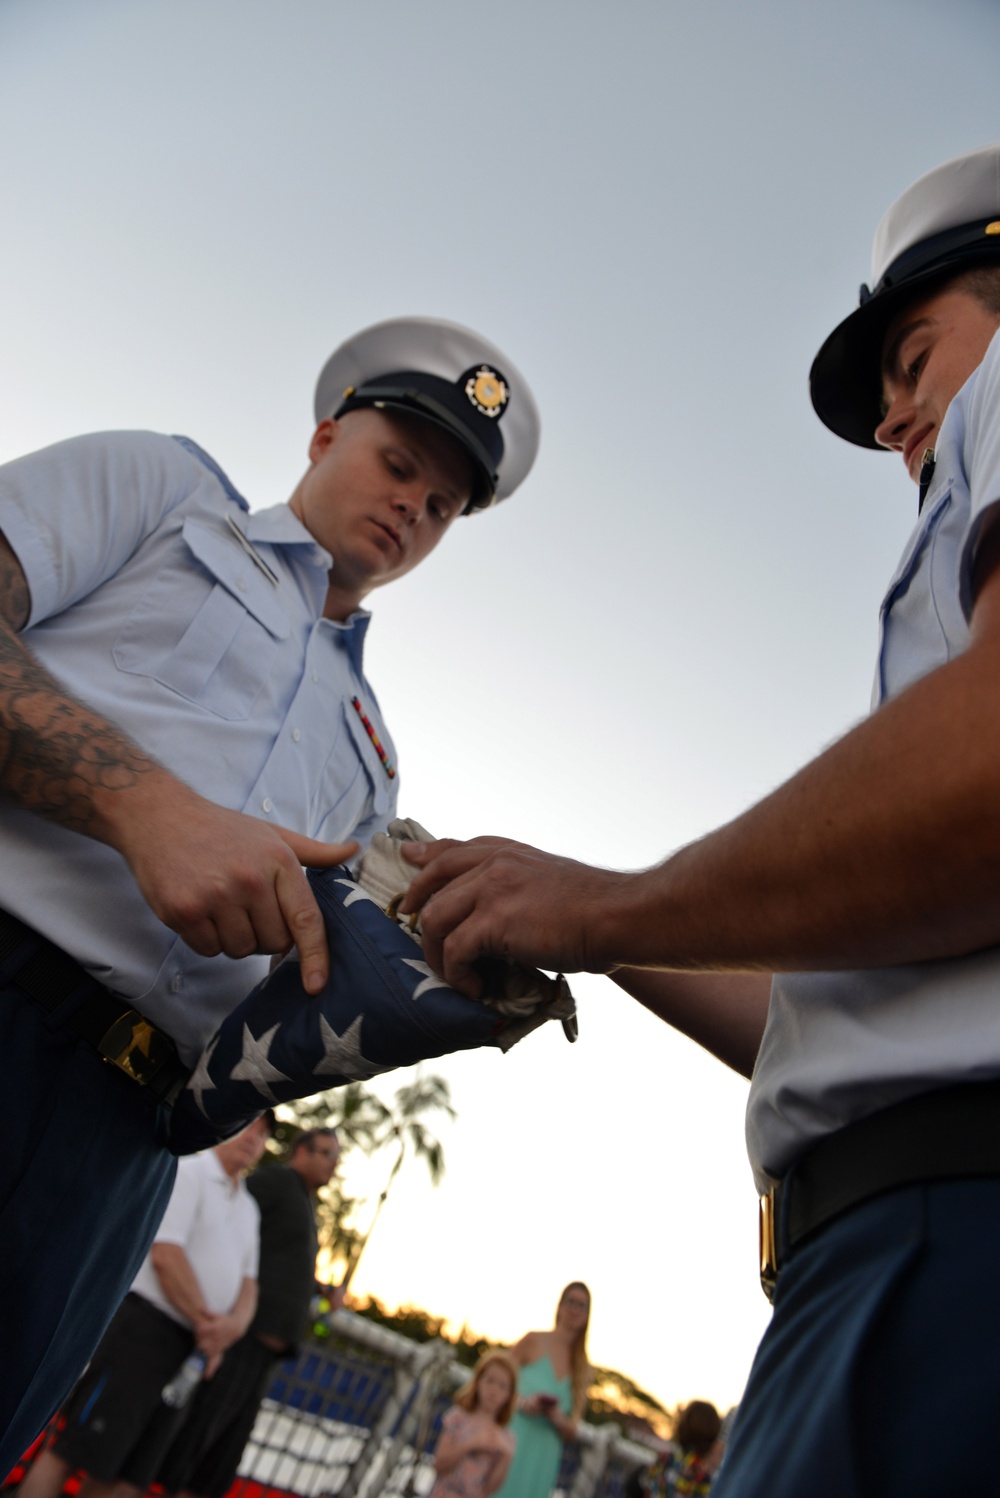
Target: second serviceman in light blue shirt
<point x="870" y="885"/>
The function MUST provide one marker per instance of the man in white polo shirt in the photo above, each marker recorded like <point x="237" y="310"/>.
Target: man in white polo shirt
<point x="196" y="1289"/>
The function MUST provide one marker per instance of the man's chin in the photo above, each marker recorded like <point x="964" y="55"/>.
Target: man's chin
<point x="915" y="465"/>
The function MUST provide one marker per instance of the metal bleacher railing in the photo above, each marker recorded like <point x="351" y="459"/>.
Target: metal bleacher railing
<point x="358" y="1414"/>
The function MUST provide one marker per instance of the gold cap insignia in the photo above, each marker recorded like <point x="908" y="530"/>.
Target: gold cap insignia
<point x="487" y="391"/>
<point x="993" y="228"/>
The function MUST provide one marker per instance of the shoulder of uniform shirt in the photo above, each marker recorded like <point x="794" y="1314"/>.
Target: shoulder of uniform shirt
<point x="127" y="453"/>
<point x="975" y="400"/>
<point x="984" y="375"/>
<point x="92" y="443"/>
<point x="178" y="453"/>
<point x="200" y="456"/>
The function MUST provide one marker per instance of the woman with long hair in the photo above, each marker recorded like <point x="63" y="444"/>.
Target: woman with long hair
<point x="555" y="1377"/>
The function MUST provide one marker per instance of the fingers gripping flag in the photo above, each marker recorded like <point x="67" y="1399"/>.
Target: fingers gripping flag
<point x="382" y="1007"/>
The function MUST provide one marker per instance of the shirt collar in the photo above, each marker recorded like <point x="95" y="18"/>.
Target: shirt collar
<point x="278" y="526"/>
<point x="222" y="1176"/>
<point x="352" y="632"/>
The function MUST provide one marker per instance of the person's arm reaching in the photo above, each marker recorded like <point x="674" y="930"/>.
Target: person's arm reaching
<point x="884" y="850"/>
<point x="724" y="1012"/>
<point x="225" y="882"/>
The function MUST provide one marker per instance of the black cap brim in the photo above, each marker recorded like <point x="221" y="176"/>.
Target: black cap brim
<point x="845" y="381"/>
<point x="433" y="400"/>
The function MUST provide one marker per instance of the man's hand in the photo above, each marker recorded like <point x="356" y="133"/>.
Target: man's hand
<point x="216" y="1331"/>
<point x="212" y="1336"/>
<point x="548" y="911"/>
<point x="227" y="882"/>
<point x="503" y="899"/>
<point x="223" y="881"/>
<point x="883" y="850"/>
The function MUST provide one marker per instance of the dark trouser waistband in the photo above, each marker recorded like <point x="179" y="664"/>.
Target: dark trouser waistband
<point x="937" y="1136"/>
<point x="49" y="977"/>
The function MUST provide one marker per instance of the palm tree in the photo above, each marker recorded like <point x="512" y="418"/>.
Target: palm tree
<point x="406" y="1129"/>
<point x="363" y="1121"/>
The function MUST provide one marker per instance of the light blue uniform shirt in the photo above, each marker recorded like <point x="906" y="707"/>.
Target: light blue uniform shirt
<point x="152" y="611"/>
<point x="839" y="1046"/>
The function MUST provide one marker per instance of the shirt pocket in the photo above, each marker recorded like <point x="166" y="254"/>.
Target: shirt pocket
<point x="353" y="786"/>
<point x="209" y="628"/>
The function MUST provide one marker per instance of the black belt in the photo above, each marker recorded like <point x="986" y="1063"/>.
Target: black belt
<point x="936" y="1136"/>
<point x="49" y="977"/>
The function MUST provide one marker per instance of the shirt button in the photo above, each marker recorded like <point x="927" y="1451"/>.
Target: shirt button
<point x="296" y="735"/>
<point x="176" y="983"/>
<point x="315" y="675"/>
<point x="267" y="804"/>
<point x="241" y="583"/>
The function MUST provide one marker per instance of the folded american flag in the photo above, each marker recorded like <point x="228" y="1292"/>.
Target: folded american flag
<point x="382" y="1007"/>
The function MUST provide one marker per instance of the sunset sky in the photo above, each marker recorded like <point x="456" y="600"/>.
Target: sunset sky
<point x="660" y="209"/>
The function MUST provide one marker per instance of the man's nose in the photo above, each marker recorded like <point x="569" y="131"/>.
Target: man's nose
<point x="891" y="430"/>
<point x="406" y="504"/>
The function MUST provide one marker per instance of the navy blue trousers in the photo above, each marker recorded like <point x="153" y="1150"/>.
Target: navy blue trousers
<point x="879" y="1376"/>
<point x="84" y="1181"/>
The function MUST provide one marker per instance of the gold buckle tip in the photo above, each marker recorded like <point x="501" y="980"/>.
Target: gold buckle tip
<point x="767" y="1244"/>
<point x="127" y="1045"/>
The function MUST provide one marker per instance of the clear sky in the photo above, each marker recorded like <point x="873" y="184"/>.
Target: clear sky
<point x="659" y="209"/>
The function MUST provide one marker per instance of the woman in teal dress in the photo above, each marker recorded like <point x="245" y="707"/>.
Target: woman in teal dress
<point x="552" y="1394"/>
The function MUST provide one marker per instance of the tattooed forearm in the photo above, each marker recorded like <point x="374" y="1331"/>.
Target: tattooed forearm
<point x="15" y="599"/>
<point x="57" y="757"/>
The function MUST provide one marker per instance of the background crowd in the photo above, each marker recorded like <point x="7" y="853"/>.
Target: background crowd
<point x="227" y="1293"/>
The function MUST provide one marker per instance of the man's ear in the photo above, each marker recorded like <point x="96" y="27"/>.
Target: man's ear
<point x="323" y="439"/>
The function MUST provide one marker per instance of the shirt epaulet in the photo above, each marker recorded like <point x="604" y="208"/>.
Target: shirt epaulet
<point x="213" y="467"/>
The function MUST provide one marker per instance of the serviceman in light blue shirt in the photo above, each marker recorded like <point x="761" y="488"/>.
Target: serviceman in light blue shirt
<point x="870" y="884"/>
<point x="184" y="723"/>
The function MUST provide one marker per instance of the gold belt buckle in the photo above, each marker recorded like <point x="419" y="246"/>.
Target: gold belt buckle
<point x="133" y="1045"/>
<point x="768" y="1243"/>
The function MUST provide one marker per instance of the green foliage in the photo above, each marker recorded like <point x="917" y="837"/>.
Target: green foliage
<point x="363" y="1121"/>
<point x="613" y="1397"/>
<point x="409" y="1321"/>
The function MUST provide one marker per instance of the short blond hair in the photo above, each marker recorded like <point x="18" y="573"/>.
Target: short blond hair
<point x="468" y="1395"/>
